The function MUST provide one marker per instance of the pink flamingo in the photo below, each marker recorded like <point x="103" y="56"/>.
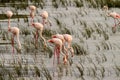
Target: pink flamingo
<point x="57" y="50"/>
<point x="32" y="13"/>
<point x="45" y="19"/>
<point x="66" y="38"/>
<point x="38" y="26"/>
<point x="14" y="30"/>
<point x="114" y="15"/>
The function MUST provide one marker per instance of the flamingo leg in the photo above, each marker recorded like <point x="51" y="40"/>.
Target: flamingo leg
<point x="43" y="21"/>
<point x="54" y="55"/>
<point x="49" y="22"/>
<point x="12" y="40"/>
<point x="36" y="38"/>
<point x="115" y="23"/>
<point x="72" y="51"/>
<point x="66" y="51"/>
<point x="58" y="54"/>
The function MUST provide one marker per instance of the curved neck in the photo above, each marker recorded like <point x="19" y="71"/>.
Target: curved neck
<point x="18" y="41"/>
<point x="32" y="16"/>
<point x="43" y="22"/>
<point x="42" y="37"/>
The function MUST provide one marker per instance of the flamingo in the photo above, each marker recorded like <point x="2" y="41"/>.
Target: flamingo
<point x="32" y="13"/>
<point x="57" y="50"/>
<point x="66" y="38"/>
<point x="38" y="26"/>
<point x="14" y="30"/>
<point x="114" y="15"/>
<point x="45" y="19"/>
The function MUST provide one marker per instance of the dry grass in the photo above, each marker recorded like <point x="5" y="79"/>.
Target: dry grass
<point x="79" y="50"/>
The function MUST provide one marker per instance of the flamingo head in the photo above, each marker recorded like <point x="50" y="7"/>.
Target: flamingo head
<point x="9" y="14"/>
<point x="54" y="36"/>
<point x="51" y="41"/>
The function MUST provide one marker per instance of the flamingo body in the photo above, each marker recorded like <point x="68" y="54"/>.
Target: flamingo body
<point x="114" y="15"/>
<point x="44" y="14"/>
<point x="58" y="46"/>
<point x="56" y="41"/>
<point x="38" y="26"/>
<point x="68" y="39"/>
<point x="9" y="14"/>
<point x="60" y="36"/>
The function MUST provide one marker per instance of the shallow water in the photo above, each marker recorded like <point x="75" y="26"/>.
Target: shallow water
<point x="97" y="57"/>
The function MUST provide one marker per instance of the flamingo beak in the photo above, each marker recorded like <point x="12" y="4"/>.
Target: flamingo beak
<point x="33" y="24"/>
<point x="51" y="41"/>
<point x="53" y="36"/>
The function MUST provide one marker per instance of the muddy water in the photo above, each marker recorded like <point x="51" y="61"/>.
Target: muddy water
<point x="91" y="30"/>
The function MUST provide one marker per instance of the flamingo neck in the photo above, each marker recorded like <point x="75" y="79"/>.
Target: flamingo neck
<point x="58" y="53"/>
<point x="42" y="37"/>
<point x="18" y="41"/>
<point x="43" y="22"/>
<point x="8" y="22"/>
<point x="32" y="21"/>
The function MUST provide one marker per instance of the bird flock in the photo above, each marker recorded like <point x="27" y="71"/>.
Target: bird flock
<point x="62" y="42"/>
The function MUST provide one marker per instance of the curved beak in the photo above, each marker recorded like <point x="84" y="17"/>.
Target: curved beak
<point x="54" y="36"/>
<point x="51" y="41"/>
